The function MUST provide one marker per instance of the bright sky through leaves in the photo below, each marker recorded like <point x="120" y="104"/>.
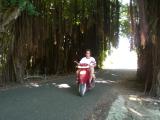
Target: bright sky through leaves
<point x="122" y="57"/>
<point x="124" y="1"/>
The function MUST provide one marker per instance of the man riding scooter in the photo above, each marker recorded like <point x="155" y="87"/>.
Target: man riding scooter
<point x="88" y="59"/>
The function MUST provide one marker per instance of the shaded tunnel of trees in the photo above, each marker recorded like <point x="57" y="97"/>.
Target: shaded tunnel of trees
<point x="49" y="35"/>
<point x="46" y="36"/>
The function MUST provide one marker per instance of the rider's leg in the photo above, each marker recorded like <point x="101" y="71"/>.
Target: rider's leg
<point x="77" y="72"/>
<point x="92" y="76"/>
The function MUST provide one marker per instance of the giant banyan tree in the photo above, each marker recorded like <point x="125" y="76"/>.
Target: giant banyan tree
<point x="145" y="17"/>
<point x="46" y="36"/>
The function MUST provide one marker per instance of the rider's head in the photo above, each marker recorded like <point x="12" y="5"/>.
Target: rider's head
<point x="88" y="53"/>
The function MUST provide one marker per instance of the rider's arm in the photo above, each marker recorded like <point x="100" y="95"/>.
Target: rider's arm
<point x="82" y="60"/>
<point x="93" y="62"/>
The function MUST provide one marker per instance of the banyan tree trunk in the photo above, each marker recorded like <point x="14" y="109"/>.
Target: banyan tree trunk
<point x="148" y="44"/>
<point x="155" y="90"/>
<point x="11" y="68"/>
<point x="14" y="69"/>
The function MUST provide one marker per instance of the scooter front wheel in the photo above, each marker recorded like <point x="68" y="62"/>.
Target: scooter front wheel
<point x="82" y="89"/>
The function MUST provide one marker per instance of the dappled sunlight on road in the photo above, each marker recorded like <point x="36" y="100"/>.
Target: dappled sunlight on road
<point x="142" y="99"/>
<point x="30" y="85"/>
<point x="134" y="107"/>
<point x="114" y="74"/>
<point x="53" y="83"/>
<point x="63" y="86"/>
<point x="143" y="107"/>
<point x="36" y="85"/>
<point x="118" y="110"/>
<point x="135" y="112"/>
<point x="133" y="98"/>
<point x="105" y="81"/>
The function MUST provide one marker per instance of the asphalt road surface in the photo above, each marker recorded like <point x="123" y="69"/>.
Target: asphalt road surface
<point x="59" y="100"/>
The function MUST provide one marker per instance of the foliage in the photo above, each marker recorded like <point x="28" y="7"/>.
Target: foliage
<point x="124" y="21"/>
<point x="22" y="4"/>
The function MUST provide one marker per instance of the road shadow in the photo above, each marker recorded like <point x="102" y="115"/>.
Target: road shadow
<point x="116" y="74"/>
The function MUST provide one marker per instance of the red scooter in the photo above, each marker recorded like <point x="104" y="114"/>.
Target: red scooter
<point x="83" y="79"/>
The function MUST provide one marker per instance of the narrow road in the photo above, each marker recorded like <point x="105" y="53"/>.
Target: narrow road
<point x="58" y="99"/>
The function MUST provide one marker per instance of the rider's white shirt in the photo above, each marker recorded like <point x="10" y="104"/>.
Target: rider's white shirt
<point x="89" y="61"/>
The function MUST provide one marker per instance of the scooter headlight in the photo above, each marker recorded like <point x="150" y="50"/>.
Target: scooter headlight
<point x="82" y="72"/>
